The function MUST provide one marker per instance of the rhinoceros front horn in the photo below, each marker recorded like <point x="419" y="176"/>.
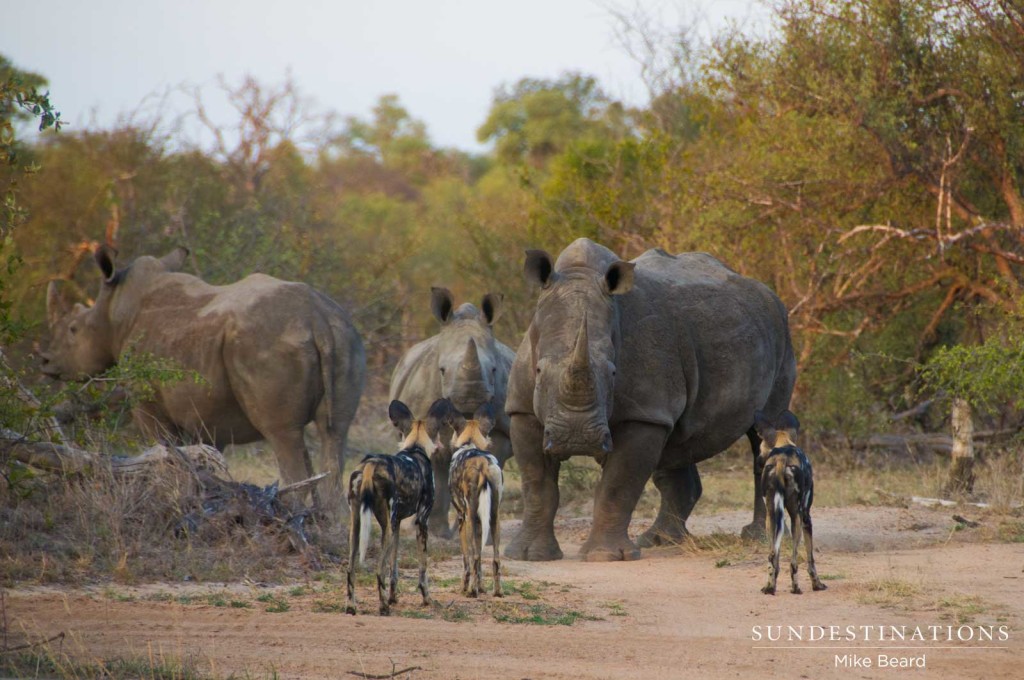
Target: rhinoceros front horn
<point x="469" y="368"/>
<point x="579" y="388"/>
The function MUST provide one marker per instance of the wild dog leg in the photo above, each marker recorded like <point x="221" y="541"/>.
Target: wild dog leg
<point x="496" y="539"/>
<point x="794" y="561"/>
<point x="421" y="538"/>
<point x="812" y="571"/>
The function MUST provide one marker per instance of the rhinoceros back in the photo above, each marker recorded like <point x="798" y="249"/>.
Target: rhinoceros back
<point x="702" y="348"/>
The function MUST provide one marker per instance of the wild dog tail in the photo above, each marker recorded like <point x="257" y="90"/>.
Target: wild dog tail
<point x="483" y="510"/>
<point x="365" y="510"/>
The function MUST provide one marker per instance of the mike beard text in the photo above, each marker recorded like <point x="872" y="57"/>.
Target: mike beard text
<point x="880" y="661"/>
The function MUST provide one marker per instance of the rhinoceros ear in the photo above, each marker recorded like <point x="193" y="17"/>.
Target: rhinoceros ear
<point x="619" y="278"/>
<point x="105" y="256"/>
<point x="441" y="303"/>
<point x="401" y="416"/>
<point x="175" y="260"/>
<point x="787" y="421"/>
<point x="491" y="306"/>
<point x="539" y="268"/>
<point x="56" y="304"/>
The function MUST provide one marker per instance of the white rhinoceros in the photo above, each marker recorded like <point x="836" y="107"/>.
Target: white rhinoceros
<point x="465" y="363"/>
<point x="650" y="366"/>
<point x="274" y="355"/>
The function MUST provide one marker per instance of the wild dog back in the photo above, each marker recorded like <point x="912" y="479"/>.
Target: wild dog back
<point x="390" y="489"/>
<point x="476" y="485"/>
<point x="787" y="486"/>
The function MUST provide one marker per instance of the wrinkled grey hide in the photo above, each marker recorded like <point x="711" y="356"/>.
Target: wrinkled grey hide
<point x="274" y="355"/>
<point x="465" y="363"/>
<point x="650" y="366"/>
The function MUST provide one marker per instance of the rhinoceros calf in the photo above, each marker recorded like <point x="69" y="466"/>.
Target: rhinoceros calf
<point x="465" y="363"/>
<point x="650" y="366"/>
<point x="274" y="356"/>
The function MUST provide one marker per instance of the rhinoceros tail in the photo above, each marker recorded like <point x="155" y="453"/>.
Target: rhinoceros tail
<point x="324" y="341"/>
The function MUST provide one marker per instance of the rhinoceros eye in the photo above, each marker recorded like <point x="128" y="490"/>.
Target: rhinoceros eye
<point x="73" y="328"/>
<point x="442" y="370"/>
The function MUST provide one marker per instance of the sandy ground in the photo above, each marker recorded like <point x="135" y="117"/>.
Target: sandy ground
<point x="675" y="613"/>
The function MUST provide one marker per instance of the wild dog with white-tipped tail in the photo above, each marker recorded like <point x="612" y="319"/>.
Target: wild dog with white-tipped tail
<point x="787" y="486"/>
<point x="390" y="488"/>
<point x="475" y="482"/>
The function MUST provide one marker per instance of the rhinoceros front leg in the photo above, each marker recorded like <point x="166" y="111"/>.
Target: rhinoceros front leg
<point x="536" y="538"/>
<point x="680" y="490"/>
<point x="755" y="530"/>
<point x="637" y="448"/>
<point x="501" y="447"/>
<point x="441" y="460"/>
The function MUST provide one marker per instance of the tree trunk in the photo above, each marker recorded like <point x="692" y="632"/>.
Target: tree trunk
<point x="961" y="469"/>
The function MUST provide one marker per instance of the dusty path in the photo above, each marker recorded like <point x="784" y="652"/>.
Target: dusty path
<point x="676" y="613"/>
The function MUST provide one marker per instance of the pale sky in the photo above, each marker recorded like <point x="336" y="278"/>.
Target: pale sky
<point x="443" y="58"/>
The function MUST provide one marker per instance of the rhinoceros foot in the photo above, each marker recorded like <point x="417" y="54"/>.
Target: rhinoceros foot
<point x="615" y="551"/>
<point x="753" y="531"/>
<point x="537" y="549"/>
<point x="658" y="536"/>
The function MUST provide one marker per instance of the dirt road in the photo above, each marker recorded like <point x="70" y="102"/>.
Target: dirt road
<point x="676" y="613"/>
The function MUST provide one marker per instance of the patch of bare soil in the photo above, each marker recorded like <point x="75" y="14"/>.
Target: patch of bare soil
<point x="687" y="611"/>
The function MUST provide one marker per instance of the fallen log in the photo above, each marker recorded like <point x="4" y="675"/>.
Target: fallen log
<point x="932" y="443"/>
<point x="70" y="460"/>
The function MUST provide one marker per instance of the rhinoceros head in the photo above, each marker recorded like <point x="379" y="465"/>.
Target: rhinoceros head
<point x="466" y="351"/>
<point x="82" y="341"/>
<point x="575" y="335"/>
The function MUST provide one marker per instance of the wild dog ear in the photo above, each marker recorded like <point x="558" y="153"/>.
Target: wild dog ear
<point x="441" y="303"/>
<point x="437" y="416"/>
<point x="104" y="257"/>
<point x="787" y="421"/>
<point x="175" y="260"/>
<point x="539" y="268"/>
<point x="484" y="418"/>
<point x="765" y="428"/>
<point x="491" y="307"/>
<point x="57" y="306"/>
<point x="401" y="416"/>
<point x="456" y="421"/>
<point x="619" y="278"/>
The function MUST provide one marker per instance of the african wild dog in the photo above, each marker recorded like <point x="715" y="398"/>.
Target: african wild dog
<point x="475" y="482"/>
<point x="390" y="488"/>
<point x="787" y="484"/>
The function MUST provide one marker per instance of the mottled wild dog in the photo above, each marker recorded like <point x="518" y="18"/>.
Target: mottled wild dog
<point x="475" y="482"/>
<point x="390" y="488"/>
<point x="787" y="484"/>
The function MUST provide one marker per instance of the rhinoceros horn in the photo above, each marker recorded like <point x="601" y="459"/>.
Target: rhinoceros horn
<point x="578" y="388"/>
<point x="469" y="368"/>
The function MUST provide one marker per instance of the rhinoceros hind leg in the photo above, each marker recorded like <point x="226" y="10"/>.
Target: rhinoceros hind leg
<point x="637" y="450"/>
<point x="755" y="530"/>
<point x="680" y="490"/>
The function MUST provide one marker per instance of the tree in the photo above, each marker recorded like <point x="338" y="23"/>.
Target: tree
<point x="20" y="101"/>
<point x="537" y="119"/>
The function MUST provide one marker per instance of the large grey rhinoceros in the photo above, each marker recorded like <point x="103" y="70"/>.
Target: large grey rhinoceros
<point x="465" y="363"/>
<point x="649" y="366"/>
<point x="274" y="356"/>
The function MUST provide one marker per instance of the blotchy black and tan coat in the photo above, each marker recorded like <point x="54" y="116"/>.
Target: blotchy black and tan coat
<point x="389" y="489"/>
<point x="787" y="486"/>
<point x="476" y="484"/>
